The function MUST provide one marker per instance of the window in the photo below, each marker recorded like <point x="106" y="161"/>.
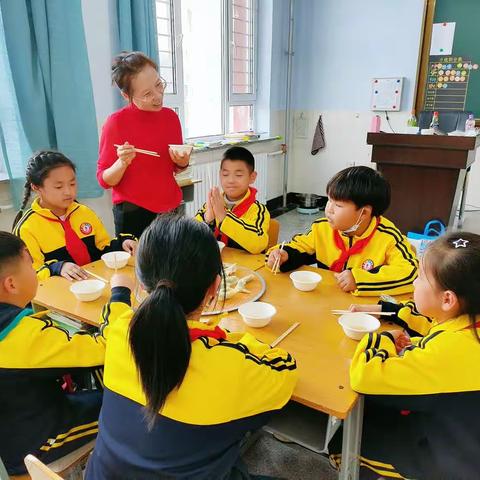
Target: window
<point x="242" y="66"/>
<point x="166" y="44"/>
<point x="207" y="55"/>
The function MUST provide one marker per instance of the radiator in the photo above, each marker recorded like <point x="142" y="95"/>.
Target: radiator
<point x="208" y="173"/>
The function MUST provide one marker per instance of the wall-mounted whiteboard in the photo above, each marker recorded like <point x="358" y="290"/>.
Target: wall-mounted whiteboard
<point x="387" y="94"/>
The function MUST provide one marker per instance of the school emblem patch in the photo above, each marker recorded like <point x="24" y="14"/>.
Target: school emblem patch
<point x="367" y="265"/>
<point x="86" y="228"/>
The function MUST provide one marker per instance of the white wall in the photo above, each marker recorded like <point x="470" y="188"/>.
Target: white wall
<point x="339" y="46"/>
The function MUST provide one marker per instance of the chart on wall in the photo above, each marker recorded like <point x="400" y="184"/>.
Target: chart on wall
<point x="447" y="82"/>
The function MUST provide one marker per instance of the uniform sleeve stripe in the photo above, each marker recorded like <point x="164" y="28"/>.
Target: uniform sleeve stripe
<point x="400" y="241"/>
<point x="380" y="287"/>
<point x="287" y="363"/>
<point x="23" y="219"/>
<point x="258" y="224"/>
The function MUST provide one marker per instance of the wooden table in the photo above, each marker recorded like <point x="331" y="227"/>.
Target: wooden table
<point x="54" y="292"/>
<point x="322" y="350"/>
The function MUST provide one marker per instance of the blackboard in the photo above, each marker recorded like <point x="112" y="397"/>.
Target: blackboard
<point x="466" y="15"/>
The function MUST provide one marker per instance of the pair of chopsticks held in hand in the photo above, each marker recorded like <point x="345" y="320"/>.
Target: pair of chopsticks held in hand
<point x="140" y="150"/>
<point x="276" y="265"/>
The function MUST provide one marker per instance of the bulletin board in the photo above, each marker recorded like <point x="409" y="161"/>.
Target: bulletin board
<point x="449" y="73"/>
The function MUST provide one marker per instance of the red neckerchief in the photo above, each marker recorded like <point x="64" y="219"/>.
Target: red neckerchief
<point x="337" y="265"/>
<point x="217" y="333"/>
<point x="75" y="247"/>
<point x="239" y="210"/>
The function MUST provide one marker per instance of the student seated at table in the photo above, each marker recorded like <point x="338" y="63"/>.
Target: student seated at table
<point x="236" y="217"/>
<point x="422" y="393"/>
<point x="180" y="395"/>
<point x="36" y="415"/>
<point x="368" y="253"/>
<point x="61" y="234"/>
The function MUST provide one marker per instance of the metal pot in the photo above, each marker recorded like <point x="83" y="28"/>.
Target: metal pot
<point x="308" y="200"/>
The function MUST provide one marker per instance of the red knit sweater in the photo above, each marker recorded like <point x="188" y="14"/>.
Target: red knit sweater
<point x="148" y="182"/>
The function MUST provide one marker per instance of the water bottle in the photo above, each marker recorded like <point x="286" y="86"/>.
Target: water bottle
<point x="412" y="120"/>
<point x="434" y="122"/>
<point x="470" y="126"/>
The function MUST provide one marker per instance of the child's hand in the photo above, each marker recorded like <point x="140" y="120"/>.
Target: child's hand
<point x="122" y="280"/>
<point x="401" y="338"/>
<point x="218" y="204"/>
<point x="209" y="214"/>
<point x="346" y="281"/>
<point x="71" y="272"/>
<point x="365" y="308"/>
<point x="130" y="246"/>
<point x="274" y="255"/>
<point x="126" y="153"/>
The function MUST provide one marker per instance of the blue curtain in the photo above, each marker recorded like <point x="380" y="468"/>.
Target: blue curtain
<point x="137" y="26"/>
<point x="48" y="66"/>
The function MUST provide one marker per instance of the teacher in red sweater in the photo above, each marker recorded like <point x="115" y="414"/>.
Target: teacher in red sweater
<point x="142" y="185"/>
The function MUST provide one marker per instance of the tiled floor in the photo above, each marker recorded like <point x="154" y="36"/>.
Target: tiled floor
<point x="293" y="222"/>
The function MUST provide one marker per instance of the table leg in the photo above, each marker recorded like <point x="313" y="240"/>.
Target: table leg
<point x="352" y="436"/>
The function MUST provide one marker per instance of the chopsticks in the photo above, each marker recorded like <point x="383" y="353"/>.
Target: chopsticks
<point x="98" y="277"/>
<point x="285" y="334"/>
<point x="140" y="150"/>
<point x="343" y="312"/>
<point x="276" y="265"/>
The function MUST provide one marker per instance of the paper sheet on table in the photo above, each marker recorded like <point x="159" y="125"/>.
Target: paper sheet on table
<point x="442" y="38"/>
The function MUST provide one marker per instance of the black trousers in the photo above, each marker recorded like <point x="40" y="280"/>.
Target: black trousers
<point x="130" y="218"/>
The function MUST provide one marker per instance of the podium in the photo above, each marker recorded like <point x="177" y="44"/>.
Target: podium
<point x="428" y="175"/>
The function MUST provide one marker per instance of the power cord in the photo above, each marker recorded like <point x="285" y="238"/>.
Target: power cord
<point x="388" y="121"/>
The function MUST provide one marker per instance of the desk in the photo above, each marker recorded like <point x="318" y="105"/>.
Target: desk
<point x="322" y="350"/>
<point x="54" y="292"/>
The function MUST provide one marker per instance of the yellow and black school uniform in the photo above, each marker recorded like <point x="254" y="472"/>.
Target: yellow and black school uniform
<point x="421" y="407"/>
<point x="245" y="226"/>
<point x="232" y="385"/>
<point x="79" y="237"/>
<point x="381" y="259"/>
<point x="36" y="415"/>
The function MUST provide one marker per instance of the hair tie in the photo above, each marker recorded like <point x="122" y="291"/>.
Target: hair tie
<point x="165" y="283"/>
<point x="460" y="243"/>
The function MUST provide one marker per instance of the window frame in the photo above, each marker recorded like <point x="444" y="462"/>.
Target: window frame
<point x="229" y="99"/>
<point x="175" y="100"/>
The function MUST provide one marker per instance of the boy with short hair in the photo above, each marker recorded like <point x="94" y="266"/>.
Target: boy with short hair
<point x="368" y="254"/>
<point x="237" y="218"/>
<point x="36" y="415"/>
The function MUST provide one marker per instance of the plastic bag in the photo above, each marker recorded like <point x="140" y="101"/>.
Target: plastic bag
<point x="433" y="229"/>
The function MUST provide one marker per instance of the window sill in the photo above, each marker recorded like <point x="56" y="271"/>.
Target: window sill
<point x="263" y="138"/>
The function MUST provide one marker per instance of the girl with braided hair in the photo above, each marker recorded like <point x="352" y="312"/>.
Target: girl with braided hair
<point x="61" y="234"/>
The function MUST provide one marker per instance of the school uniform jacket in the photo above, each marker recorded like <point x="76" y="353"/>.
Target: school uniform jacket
<point x="386" y="265"/>
<point x="427" y="399"/>
<point x="247" y="232"/>
<point x="34" y="355"/>
<point x="45" y="239"/>
<point x="231" y="386"/>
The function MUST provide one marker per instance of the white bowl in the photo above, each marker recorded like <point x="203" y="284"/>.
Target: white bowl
<point x="257" y="314"/>
<point x="115" y="259"/>
<point x="221" y="246"/>
<point x="304" y="280"/>
<point x="87" y="290"/>
<point x="357" y="324"/>
<point x="182" y="149"/>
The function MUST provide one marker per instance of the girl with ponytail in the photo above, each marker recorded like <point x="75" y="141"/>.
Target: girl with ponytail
<point x="180" y="395"/>
<point x="60" y="233"/>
